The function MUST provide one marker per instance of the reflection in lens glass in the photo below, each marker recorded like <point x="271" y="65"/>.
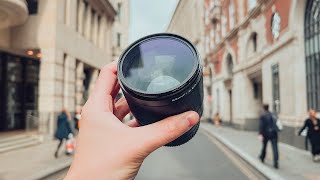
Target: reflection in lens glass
<point x="158" y="65"/>
<point x="162" y="83"/>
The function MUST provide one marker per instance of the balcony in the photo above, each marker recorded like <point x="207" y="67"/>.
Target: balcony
<point x="12" y="13"/>
<point x="215" y="13"/>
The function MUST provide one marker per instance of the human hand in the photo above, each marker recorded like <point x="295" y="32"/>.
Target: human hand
<point x="260" y="137"/>
<point x="109" y="149"/>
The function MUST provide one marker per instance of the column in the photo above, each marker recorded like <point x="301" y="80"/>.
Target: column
<point x="93" y="79"/>
<point x="67" y="12"/>
<point x="102" y="32"/>
<point x="69" y="83"/>
<point x="94" y="29"/>
<point x="80" y="17"/>
<point x="79" y="83"/>
<point x="73" y="9"/>
<point x="88" y="20"/>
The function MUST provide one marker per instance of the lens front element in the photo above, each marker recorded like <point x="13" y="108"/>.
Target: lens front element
<point x="158" y="65"/>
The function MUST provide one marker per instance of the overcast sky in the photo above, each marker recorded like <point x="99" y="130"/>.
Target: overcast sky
<point x="149" y="16"/>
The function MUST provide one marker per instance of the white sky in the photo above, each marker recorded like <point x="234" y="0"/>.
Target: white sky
<point x="149" y="16"/>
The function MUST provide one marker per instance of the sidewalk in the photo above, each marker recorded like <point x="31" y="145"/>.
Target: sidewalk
<point x="32" y="162"/>
<point x="294" y="163"/>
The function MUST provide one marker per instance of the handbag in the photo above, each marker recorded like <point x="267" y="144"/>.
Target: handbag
<point x="304" y="132"/>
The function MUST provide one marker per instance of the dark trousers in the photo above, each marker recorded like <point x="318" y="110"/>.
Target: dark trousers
<point x="274" y="143"/>
<point x="315" y="145"/>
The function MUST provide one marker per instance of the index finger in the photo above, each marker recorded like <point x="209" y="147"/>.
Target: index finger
<point x="106" y="82"/>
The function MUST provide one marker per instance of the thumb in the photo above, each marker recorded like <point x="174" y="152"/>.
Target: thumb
<point x="164" y="131"/>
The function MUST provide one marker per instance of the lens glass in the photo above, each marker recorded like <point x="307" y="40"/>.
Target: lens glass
<point x="158" y="64"/>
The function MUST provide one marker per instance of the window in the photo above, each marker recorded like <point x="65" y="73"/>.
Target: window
<point x="312" y="51"/>
<point x="231" y="16"/>
<point x="252" y="4"/>
<point x="119" y="6"/>
<point x="32" y="6"/>
<point x="254" y="41"/>
<point x="229" y="65"/>
<point x="118" y="40"/>
<point x="275" y="88"/>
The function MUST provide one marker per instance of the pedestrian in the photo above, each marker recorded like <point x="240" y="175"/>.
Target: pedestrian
<point x="216" y="119"/>
<point x="268" y="131"/>
<point x="313" y="133"/>
<point x="77" y="118"/>
<point x="63" y="128"/>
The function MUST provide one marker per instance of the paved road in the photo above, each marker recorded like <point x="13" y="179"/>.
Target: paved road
<point x="201" y="158"/>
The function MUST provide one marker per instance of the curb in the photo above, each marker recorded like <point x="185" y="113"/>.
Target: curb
<point x="267" y="172"/>
<point x="50" y="170"/>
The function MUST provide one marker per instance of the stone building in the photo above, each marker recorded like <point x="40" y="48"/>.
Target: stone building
<point x="50" y="55"/>
<point x="121" y="24"/>
<point x="264" y="52"/>
<point x="180" y="24"/>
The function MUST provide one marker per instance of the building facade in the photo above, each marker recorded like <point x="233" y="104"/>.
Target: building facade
<point x="121" y="24"/>
<point x="180" y="24"/>
<point x="264" y="52"/>
<point x="50" y="56"/>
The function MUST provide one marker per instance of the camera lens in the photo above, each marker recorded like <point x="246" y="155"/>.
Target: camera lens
<point x="160" y="76"/>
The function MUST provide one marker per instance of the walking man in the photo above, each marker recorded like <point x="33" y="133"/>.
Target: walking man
<point x="268" y="131"/>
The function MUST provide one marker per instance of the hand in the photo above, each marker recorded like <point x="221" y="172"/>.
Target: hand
<point x="109" y="149"/>
<point x="260" y="137"/>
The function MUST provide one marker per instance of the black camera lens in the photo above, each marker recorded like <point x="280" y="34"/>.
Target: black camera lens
<point x="160" y="76"/>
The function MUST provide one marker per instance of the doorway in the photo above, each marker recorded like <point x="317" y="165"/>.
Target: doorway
<point x="18" y="91"/>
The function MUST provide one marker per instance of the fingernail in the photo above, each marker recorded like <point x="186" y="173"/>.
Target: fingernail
<point x="192" y="118"/>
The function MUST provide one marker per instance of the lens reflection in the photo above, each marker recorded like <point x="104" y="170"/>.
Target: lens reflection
<point x="162" y="83"/>
<point x="158" y="65"/>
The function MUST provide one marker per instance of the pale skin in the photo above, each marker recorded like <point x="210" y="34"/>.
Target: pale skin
<point x="109" y="149"/>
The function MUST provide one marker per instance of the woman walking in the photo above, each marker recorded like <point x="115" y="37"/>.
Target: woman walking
<point x="63" y="128"/>
<point x="313" y="134"/>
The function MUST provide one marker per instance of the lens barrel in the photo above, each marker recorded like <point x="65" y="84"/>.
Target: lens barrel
<point x="160" y="76"/>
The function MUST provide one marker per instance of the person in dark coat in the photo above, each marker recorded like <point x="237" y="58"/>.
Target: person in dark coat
<point x="268" y="131"/>
<point x="313" y="133"/>
<point x="63" y="128"/>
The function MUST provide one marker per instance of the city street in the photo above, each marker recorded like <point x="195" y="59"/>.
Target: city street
<point x="201" y="158"/>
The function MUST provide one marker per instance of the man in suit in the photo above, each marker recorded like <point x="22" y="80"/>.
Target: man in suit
<point x="268" y="131"/>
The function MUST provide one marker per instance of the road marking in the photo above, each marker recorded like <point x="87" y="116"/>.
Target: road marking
<point x="243" y="166"/>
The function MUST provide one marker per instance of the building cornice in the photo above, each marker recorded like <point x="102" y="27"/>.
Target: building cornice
<point x="104" y="6"/>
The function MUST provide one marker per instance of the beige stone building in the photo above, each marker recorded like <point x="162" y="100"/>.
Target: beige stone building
<point x="50" y="55"/>
<point x="194" y="32"/>
<point x="121" y="25"/>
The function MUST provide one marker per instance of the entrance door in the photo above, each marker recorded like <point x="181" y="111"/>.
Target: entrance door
<point x="230" y="104"/>
<point x="18" y="92"/>
<point x="2" y="102"/>
<point x="14" y="94"/>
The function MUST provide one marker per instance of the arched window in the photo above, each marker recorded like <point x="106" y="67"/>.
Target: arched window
<point x="252" y="44"/>
<point x="312" y="51"/>
<point x="229" y="65"/>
